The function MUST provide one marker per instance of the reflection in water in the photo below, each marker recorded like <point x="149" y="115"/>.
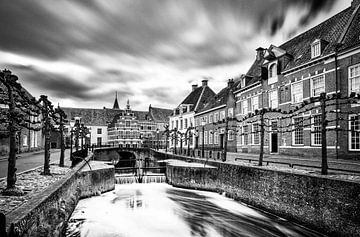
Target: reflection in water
<point x="159" y="210"/>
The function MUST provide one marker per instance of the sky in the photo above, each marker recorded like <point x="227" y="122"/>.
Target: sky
<point x="80" y="52"/>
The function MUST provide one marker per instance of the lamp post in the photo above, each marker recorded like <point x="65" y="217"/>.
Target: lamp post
<point x="77" y="128"/>
<point x="82" y="135"/>
<point x="72" y="124"/>
<point x="203" y="139"/>
<point x="157" y="139"/>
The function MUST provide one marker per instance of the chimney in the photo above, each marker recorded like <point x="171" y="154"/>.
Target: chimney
<point x="204" y="82"/>
<point x="230" y="82"/>
<point x="355" y="3"/>
<point x="194" y="87"/>
<point x="260" y="53"/>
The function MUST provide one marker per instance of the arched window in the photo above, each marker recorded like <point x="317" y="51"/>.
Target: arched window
<point x="272" y="70"/>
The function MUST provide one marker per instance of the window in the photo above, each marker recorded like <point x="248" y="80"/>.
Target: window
<point x="177" y="124"/>
<point x="254" y="103"/>
<point x="246" y="134"/>
<point x="297" y="92"/>
<point x="318" y="85"/>
<point x="244" y="107"/>
<point x="272" y="70"/>
<point x="230" y="112"/>
<point x="230" y="135"/>
<point x="256" y="134"/>
<point x="99" y="141"/>
<point x="273" y="99"/>
<point x="211" y="118"/>
<point x="298" y="134"/>
<point x="181" y="124"/>
<point x="172" y="125"/>
<point x="127" y="123"/>
<point x="206" y="137"/>
<point x="197" y="123"/>
<point x="25" y="140"/>
<point x="216" y="138"/>
<point x="354" y="78"/>
<point x="99" y="131"/>
<point x="186" y="123"/>
<point x="242" y="82"/>
<point x="315" y="49"/>
<point x="211" y="137"/>
<point x="354" y="136"/>
<point x="222" y="115"/>
<point x="316" y="131"/>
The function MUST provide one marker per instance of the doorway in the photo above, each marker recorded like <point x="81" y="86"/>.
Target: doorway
<point x="274" y="144"/>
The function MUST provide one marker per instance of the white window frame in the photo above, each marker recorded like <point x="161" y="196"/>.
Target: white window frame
<point x="222" y="115"/>
<point x="252" y="103"/>
<point x="216" y="138"/>
<point x="271" y="99"/>
<point x="211" y="118"/>
<point x="25" y="140"/>
<point x="323" y="85"/>
<point x="206" y="137"/>
<point x="316" y="49"/>
<point x="316" y="128"/>
<point x="211" y="137"/>
<point x="241" y="136"/>
<point x="296" y="97"/>
<point x="216" y="117"/>
<point x="230" y="113"/>
<point x="357" y="131"/>
<point x="355" y="76"/>
<point x="230" y="135"/>
<point x="293" y="133"/>
<point x="255" y="134"/>
<point x="244" y="109"/>
<point x="273" y="74"/>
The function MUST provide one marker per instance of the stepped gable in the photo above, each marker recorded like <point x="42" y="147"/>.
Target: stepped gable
<point x="159" y="114"/>
<point x="328" y="31"/>
<point x="220" y="98"/>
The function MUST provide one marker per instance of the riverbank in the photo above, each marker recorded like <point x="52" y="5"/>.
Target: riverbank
<point x="330" y="204"/>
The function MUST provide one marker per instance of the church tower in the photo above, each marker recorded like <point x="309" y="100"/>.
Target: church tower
<point x="116" y="104"/>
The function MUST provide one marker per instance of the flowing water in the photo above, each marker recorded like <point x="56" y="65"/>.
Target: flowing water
<point x="160" y="210"/>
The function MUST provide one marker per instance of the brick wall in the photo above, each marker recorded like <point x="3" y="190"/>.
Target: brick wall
<point x="329" y="205"/>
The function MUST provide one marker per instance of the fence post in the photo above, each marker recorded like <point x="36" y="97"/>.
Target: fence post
<point x="262" y="136"/>
<point x="324" y="165"/>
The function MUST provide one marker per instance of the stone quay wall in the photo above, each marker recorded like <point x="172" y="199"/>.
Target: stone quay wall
<point x="47" y="213"/>
<point x="329" y="205"/>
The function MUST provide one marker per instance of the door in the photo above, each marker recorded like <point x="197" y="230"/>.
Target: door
<point x="274" y="138"/>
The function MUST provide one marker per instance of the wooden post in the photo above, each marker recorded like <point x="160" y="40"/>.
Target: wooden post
<point x="324" y="164"/>
<point x="262" y="137"/>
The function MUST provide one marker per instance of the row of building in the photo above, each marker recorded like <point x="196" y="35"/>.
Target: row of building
<point x="286" y="80"/>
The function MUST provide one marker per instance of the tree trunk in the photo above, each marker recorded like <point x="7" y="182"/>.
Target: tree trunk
<point x="47" y="138"/>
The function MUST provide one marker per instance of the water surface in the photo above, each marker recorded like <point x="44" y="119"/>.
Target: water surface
<point x="160" y="210"/>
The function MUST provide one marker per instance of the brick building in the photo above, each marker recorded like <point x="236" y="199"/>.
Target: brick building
<point x="127" y="128"/>
<point x="291" y="77"/>
<point x="182" y="119"/>
<point x="215" y="127"/>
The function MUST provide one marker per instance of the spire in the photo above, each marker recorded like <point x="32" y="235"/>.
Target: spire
<point x="116" y="104"/>
<point x="128" y="105"/>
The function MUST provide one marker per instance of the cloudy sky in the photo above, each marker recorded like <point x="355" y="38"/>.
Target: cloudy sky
<point x="79" y="52"/>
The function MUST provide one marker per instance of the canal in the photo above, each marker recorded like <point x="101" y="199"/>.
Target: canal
<point x="160" y="210"/>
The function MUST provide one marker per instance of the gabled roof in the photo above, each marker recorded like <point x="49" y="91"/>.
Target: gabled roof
<point x="159" y="114"/>
<point x="328" y="31"/>
<point x="220" y="98"/>
<point x="198" y="96"/>
<point x="255" y="71"/>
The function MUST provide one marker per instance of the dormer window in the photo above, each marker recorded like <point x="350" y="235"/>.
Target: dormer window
<point x="273" y="73"/>
<point x="316" y="49"/>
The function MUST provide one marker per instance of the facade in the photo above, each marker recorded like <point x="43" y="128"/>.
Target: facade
<point x="125" y="128"/>
<point x="181" y="123"/>
<point x="215" y="124"/>
<point x="289" y="79"/>
<point x="27" y="140"/>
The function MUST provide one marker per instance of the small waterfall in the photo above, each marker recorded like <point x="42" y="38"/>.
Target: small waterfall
<point x="130" y="179"/>
<point x="154" y="179"/>
<point x="119" y="179"/>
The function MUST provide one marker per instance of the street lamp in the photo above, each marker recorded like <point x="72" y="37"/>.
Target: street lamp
<point x="157" y="136"/>
<point x="72" y="124"/>
<point x="203" y="139"/>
